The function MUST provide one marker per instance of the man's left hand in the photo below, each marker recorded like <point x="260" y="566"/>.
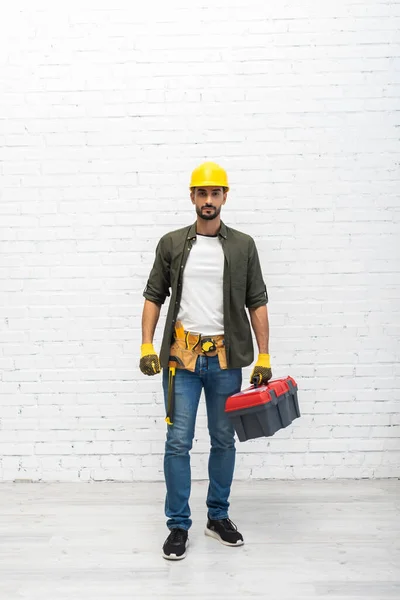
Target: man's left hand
<point x="262" y="370"/>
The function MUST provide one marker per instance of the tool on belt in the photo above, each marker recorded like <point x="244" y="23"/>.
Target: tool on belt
<point x="171" y="392"/>
<point x="184" y="351"/>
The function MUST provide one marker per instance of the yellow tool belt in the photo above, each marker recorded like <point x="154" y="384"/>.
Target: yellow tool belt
<point x="187" y="346"/>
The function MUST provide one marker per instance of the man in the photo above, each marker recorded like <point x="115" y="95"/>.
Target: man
<point x="213" y="273"/>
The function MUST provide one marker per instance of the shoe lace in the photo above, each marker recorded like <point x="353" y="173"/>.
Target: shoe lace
<point x="229" y="525"/>
<point x="177" y="535"/>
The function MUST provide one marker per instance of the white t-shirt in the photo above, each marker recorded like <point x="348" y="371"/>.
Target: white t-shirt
<point x="201" y="309"/>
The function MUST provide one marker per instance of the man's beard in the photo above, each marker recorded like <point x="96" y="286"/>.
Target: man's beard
<point x="208" y="216"/>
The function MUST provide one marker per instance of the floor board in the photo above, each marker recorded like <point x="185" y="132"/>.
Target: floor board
<point x="304" y="540"/>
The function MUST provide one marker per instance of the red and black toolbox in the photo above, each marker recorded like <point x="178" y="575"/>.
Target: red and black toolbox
<point x="260" y="411"/>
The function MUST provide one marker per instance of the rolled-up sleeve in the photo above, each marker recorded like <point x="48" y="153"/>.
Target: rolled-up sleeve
<point x="158" y="284"/>
<point x="256" y="290"/>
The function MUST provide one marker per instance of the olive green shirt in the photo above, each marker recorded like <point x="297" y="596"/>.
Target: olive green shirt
<point x="243" y="286"/>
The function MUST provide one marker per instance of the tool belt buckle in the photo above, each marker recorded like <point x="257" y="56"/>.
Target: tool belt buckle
<point x="208" y="345"/>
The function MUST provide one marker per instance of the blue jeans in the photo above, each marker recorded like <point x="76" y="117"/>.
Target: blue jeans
<point x="218" y="384"/>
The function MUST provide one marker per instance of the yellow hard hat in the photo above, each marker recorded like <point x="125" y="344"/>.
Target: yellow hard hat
<point x="209" y="173"/>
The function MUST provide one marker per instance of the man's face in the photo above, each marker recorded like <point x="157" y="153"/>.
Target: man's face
<point x="208" y="201"/>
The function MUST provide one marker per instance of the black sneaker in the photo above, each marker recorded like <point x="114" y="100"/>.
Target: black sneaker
<point x="175" y="545"/>
<point x="224" y="531"/>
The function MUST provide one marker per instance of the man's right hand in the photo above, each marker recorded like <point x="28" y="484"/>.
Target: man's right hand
<point x="149" y="361"/>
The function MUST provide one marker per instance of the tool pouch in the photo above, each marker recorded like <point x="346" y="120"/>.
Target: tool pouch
<point x="180" y="357"/>
<point x="184" y="352"/>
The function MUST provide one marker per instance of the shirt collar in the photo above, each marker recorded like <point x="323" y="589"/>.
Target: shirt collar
<point x="192" y="231"/>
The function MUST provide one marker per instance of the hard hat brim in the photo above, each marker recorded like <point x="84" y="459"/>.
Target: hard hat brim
<point x="209" y="184"/>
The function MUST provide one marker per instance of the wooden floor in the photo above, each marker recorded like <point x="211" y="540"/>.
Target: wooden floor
<point x="303" y="540"/>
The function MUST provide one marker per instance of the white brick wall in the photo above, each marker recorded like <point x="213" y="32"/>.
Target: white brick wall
<point x="105" y="108"/>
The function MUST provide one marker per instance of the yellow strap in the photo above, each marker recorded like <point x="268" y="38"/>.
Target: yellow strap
<point x="179" y="331"/>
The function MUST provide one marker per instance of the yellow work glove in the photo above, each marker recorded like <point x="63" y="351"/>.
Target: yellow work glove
<point x="149" y="362"/>
<point x="262" y="370"/>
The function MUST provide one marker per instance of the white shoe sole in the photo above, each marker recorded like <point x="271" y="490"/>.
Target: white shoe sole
<point x="174" y="556"/>
<point x="216" y="536"/>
